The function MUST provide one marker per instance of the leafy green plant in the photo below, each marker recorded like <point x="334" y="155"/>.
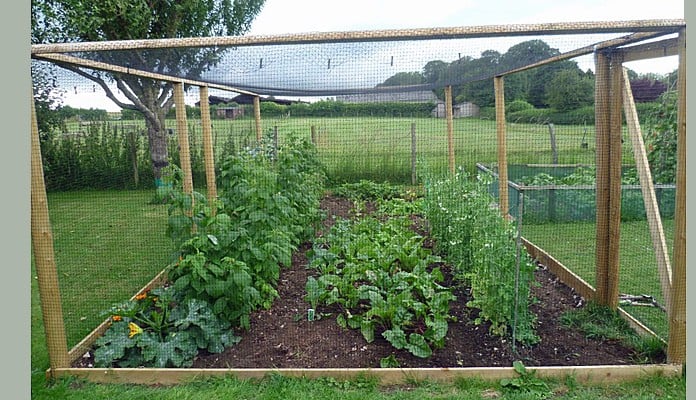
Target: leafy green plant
<point x="380" y="277"/>
<point x="526" y="382"/>
<point x="367" y="190"/>
<point x="160" y="329"/>
<point x="661" y="139"/>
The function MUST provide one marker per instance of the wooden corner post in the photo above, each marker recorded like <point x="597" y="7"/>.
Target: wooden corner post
<point x="503" y="198"/>
<point x="208" y="154"/>
<point x="676" y="348"/>
<point x="44" y="257"/>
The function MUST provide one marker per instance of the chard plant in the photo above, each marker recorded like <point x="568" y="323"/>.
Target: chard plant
<point x="382" y="280"/>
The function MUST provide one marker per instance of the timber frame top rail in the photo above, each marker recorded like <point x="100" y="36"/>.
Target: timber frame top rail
<point x="564" y="28"/>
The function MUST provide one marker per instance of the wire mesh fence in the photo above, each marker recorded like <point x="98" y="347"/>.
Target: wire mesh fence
<point x="372" y="110"/>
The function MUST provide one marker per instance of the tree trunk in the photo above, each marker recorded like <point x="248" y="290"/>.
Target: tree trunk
<point x="157" y="140"/>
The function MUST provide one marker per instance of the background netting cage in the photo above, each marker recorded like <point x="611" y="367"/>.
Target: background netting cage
<point x="387" y="107"/>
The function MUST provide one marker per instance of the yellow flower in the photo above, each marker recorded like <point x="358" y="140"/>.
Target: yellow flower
<point x="141" y="296"/>
<point x="134" y="330"/>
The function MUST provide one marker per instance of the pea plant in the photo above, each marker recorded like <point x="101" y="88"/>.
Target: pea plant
<point x="480" y="244"/>
<point x="383" y="281"/>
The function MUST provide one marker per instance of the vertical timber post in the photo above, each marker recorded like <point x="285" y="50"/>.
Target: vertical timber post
<point x="257" y="117"/>
<point x="208" y="153"/>
<point x="616" y="104"/>
<point x="182" y="135"/>
<point x="676" y="347"/>
<point x="450" y="128"/>
<point x="413" y="154"/>
<point x="602" y="126"/>
<point x="44" y="257"/>
<point x="503" y="198"/>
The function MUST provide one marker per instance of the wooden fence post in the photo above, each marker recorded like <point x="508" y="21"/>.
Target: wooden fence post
<point x="44" y="257"/>
<point x="182" y="135"/>
<point x="450" y="128"/>
<point x="503" y="198"/>
<point x="676" y="347"/>
<point x="257" y="117"/>
<point x="602" y="126"/>
<point x="413" y="154"/>
<point x="208" y="151"/>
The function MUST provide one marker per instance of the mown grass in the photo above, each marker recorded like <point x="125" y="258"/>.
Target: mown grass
<point x="573" y="244"/>
<point x="109" y="244"/>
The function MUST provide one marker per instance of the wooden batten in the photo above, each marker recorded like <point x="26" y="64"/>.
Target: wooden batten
<point x="501" y="134"/>
<point x="450" y="128"/>
<point x="596" y="374"/>
<point x="44" y="256"/>
<point x="208" y="154"/>
<point x="257" y="118"/>
<point x="661" y="48"/>
<point x="676" y="350"/>
<point x="650" y="200"/>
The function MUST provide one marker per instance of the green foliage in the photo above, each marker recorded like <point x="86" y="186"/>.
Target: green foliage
<point x="231" y="251"/>
<point x="526" y="383"/>
<point x="379" y="275"/>
<point x="661" y="139"/>
<point x="332" y="108"/>
<point x="367" y="190"/>
<point x="517" y="105"/>
<point x="472" y="235"/>
<point x="160" y="329"/>
<point x="569" y="90"/>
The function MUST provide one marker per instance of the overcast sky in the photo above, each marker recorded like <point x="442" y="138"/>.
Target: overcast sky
<point x="298" y="16"/>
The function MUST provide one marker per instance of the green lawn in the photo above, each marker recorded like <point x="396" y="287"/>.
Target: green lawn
<point x="573" y="244"/>
<point x="110" y="243"/>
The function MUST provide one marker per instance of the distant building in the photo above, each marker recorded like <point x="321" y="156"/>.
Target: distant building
<point x="231" y="112"/>
<point x="461" y="110"/>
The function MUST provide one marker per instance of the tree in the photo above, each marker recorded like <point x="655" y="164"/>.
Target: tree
<point x="403" y="79"/>
<point x="86" y="20"/>
<point x="47" y="97"/>
<point x="569" y="90"/>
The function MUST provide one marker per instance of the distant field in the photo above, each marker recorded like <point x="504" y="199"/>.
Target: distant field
<point x="379" y="148"/>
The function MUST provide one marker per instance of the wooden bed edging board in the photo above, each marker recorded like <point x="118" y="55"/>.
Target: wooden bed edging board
<point x="596" y="374"/>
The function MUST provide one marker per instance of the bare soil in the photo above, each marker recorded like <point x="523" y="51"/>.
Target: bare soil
<point x="282" y="337"/>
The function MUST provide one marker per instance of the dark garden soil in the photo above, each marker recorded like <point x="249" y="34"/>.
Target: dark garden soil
<point x="282" y="337"/>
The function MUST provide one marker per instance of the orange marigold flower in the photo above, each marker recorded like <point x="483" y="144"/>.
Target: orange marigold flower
<point x="116" y="318"/>
<point x="141" y="296"/>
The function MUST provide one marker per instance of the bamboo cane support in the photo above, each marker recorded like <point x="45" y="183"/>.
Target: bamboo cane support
<point x="208" y="154"/>
<point x="503" y="198"/>
<point x="44" y="257"/>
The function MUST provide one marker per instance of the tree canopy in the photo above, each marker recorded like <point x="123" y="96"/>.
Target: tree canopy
<point x="58" y="21"/>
